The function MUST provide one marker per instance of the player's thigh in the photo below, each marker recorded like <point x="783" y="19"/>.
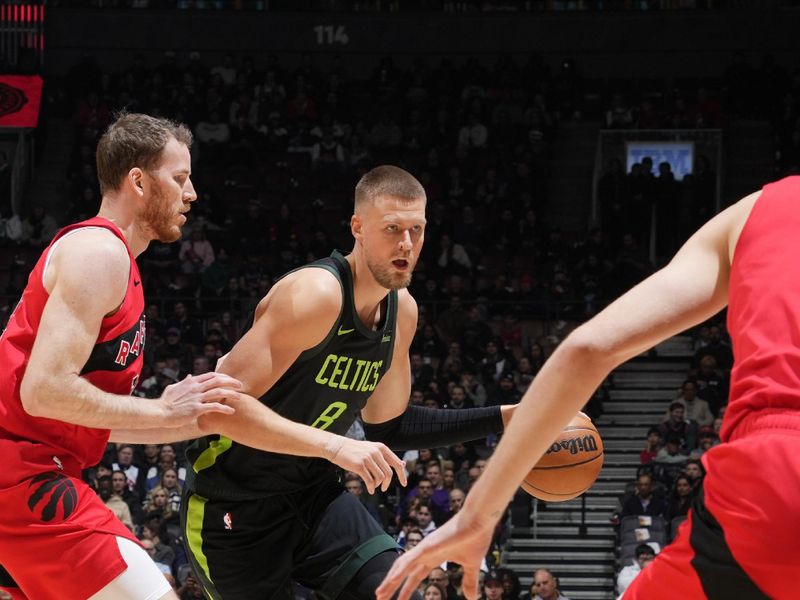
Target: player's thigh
<point x="142" y="580"/>
<point x="241" y="549"/>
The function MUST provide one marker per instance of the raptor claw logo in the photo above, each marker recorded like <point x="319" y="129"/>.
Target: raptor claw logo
<point x="62" y="493"/>
<point x="11" y="99"/>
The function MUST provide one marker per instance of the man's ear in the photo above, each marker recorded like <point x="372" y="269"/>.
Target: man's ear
<point x="357" y="227"/>
<point x="135" y="181"/>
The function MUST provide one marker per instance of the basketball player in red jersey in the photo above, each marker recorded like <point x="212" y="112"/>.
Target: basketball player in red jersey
<point x="71" y="354"/>
<point x="69" y="359"/>
<point x="740" y="539"/>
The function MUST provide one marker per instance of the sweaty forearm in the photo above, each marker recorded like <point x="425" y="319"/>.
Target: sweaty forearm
<point x="75" y="400"/>
<point x="259" y="427"/>
<point x="421" y="427"/>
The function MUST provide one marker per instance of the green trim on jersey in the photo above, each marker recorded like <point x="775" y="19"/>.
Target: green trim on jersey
<point x="195" y="514"/>
<point x="209" y="456"/>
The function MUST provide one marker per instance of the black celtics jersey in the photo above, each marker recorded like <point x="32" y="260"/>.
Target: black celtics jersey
<point x="325" y="388"/>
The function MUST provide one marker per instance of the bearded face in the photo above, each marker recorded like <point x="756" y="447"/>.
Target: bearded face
<point x="162" y="213"/>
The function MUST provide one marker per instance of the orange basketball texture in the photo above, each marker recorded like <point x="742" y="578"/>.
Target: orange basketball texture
<point x="571" y="464"/>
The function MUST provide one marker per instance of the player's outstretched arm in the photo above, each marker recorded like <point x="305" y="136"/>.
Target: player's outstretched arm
<point x="692" y="288"/>
<point x="296" y="315"/>
<point x="86" y="280"/>
<point x="388" y="418"/>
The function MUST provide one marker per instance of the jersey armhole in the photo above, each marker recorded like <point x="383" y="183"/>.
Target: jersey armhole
<point x="312" y="352"/>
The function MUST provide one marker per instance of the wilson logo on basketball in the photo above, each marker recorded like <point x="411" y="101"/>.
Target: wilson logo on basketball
<point x="586" y="443"/>
<point x="54" y="490"/>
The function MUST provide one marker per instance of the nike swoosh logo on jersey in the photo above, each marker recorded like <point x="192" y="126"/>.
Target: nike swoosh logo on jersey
<point x="136" y="283"/>
<point x="345" y="331"/>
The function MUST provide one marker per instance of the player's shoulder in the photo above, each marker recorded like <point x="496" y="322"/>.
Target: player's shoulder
<point x="407" y="312"/>
<point x="406" y="304"/>
<point x="305" y="294"/>
<point x="312" y="285"/>
<point x="89" y="252"/>
<point x="93" y="243"/>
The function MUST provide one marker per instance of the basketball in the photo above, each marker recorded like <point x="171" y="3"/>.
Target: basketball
<point x="571" y="464"/>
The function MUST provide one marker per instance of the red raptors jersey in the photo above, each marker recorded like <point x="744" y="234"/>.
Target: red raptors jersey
<point x="764" y="310"/>
<point x="32" y="444"/>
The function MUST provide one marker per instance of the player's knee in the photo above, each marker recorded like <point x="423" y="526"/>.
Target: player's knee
<point x="370" y="576"/>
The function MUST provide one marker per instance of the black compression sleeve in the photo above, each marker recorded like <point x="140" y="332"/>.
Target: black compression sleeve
<point x="432" y="428"/>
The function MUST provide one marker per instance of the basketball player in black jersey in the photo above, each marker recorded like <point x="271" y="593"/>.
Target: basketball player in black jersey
<point x="330" y="340"/>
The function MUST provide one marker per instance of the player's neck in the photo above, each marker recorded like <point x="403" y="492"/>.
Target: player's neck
<point x="368" y="294"/>
<point x="124" y="218"/>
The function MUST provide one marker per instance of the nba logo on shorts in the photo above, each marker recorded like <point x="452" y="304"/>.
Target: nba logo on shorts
<point x="228" y="521"/>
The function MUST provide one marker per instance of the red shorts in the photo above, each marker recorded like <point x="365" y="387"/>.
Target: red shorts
<point x="57" y="538"/>
<point x="741" y="537"/>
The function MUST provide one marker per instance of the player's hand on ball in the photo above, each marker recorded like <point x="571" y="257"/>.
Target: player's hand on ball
<point x="372" y="461"/>
<point x="194" y="396"/>
<point x="462" y="539"/>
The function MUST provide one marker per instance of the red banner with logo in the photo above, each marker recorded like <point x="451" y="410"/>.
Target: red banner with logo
<point x="20" y="100"/>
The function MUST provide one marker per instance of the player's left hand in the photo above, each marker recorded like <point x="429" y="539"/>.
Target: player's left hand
<point x="462" y="539"/>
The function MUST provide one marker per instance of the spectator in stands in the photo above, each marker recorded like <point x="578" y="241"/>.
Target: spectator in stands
<point x="425" y="517"/>
<point x="452" y="257"/>
<point x="708" y="439"/>
<point x="155" y="532"/>
<point x="678" y="425"/>
<point x="113" y="501"/>
<point x="125" y="457"/>
<point x="473" y="134"/>
<point x="422" y="373"/>
<point x="150" y="548"/>
<point x="644" y="555"/>
<point x="452" y="321"/>
<point x="474" y="389"/>
<point x="413" y="537"/>
<point x="433" y="591"/>
<point x="191" y="589"/>
<point x="440" y="496"/>
<point x="695" y="471"/>
<point x="196" y="253"/>
<point x="171" y="484"/>
<point x="441" y="577"/>
<point x="38" y="228"/>
<point x="200" y="365"/>
<point x="327" y="154"/>
<point x="506" y="391"/>
<point x="697" y="409"/>
<point x="643" y="502"/>
<point x="492" y="586"/>
<point x="511" y="584"/>
<point x="457" y="497"/>
<point x="119" y="487"/>
<point x="716" y="347"/>
<point x="212" y="132"/>
<point x="652" y="446"/>
<point x="671" y="453"/>
<point x="545" y="585"/>
<point x="712" y="385"/>
<point x="680" y="499"/>
<point x="494" y="364"/>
